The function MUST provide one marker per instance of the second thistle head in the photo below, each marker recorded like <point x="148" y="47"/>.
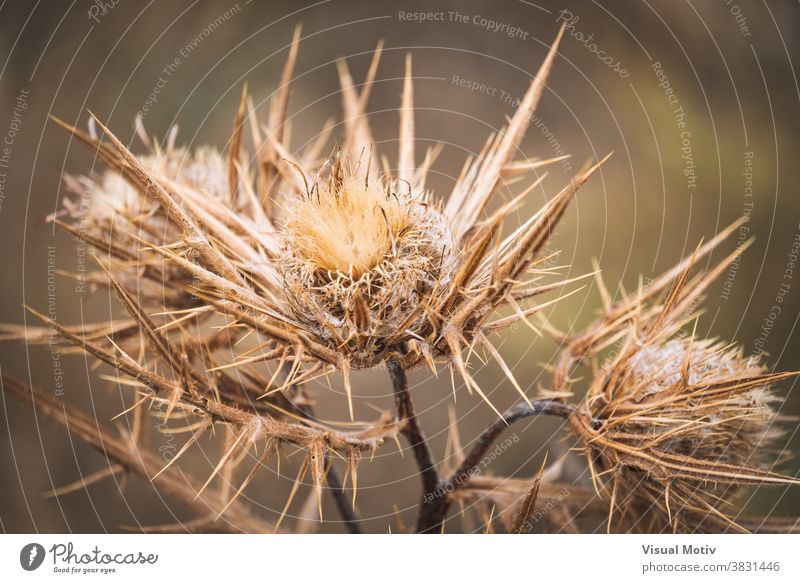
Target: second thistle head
<point x="672" y="425"/>
<point x="673" y="429"/>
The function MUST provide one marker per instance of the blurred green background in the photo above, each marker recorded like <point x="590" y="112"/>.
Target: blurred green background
<point x="731" y="70"/>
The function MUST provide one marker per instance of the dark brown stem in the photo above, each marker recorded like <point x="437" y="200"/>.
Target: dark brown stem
<point x="436" y="502"/>
<point x="343" y="505"/>
<point x="412" y="431"/>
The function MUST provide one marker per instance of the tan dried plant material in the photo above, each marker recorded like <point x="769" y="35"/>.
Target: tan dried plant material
<point x="249" y="274"/>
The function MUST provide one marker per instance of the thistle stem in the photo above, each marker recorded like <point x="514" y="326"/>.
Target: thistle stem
<point x="436" y="502"/>
<point x="412" y="431"/>
<point x="342" y="503"/>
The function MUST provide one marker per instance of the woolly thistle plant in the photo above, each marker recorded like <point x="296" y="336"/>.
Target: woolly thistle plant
<point x="244" y="277"/>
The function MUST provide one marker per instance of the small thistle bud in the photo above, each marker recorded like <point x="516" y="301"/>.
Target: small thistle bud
<point x="673" y="428"/>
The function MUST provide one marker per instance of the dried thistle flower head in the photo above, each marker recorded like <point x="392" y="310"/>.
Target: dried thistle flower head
<point x="115" y="216"/>
<point x="672" y="425"/>
<point x="675" y="430"/>
<point x="360" y="257"/>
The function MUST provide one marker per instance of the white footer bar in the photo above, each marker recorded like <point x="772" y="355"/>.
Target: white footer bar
<point x="379" y="558"/>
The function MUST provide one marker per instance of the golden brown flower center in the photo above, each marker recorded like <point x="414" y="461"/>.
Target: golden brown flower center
<point x="349" y="231"/>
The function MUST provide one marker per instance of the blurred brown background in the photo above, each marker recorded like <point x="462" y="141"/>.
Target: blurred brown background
<point x="731" y="67"/>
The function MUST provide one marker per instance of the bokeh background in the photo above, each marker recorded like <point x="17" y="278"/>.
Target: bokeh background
<point x="731" y="66"/>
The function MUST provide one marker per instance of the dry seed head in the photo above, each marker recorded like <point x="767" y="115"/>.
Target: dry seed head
<point x="670" y="429"/>
<point x="353" y="227"/>
<point x="110" y="197"/>
<point x="729" y="429"/>
<point x="672" y="426"/>
<point x="113" y="209"/>
<point x="360" y="255"/>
